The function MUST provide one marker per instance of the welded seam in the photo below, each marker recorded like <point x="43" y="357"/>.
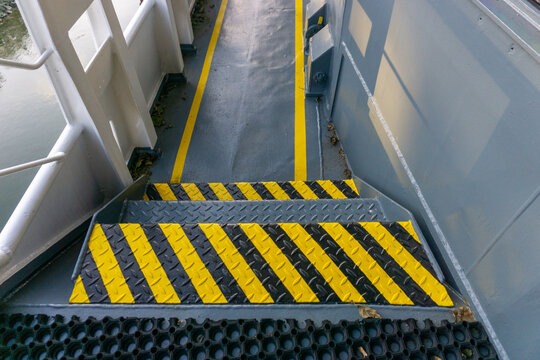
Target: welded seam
<point x="427" y="209"/>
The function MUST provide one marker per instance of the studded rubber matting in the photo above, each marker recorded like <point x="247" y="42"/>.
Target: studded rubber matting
<point x="42" y="337"/>
<point x="286" y="190"/>
<point x="368" y="262"/>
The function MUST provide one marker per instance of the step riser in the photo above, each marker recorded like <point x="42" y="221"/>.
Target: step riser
<point x="299" y="211"/>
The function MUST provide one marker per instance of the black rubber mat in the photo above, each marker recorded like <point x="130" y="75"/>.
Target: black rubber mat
<point x="43" y="337"/>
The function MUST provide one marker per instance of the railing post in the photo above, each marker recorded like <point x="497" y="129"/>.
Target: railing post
<point x="182" y="18"/>
<point x="167" y="38"/>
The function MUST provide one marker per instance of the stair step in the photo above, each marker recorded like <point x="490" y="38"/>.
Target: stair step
<point x="171" y="263"/>
<point x="242" y="211"/>
<point x="272" y="190"/>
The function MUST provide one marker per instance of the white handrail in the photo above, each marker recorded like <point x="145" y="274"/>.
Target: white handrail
<point x="31" y="164"/>
<point x="28" y="66"/>
<point x="27" y="208"/>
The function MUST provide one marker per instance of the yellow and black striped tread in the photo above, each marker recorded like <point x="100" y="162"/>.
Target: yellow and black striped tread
<point x="368" y="262"/>
<point x="285" y="190"/>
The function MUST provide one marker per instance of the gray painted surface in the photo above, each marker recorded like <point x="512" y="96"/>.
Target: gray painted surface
<point x="460" y="98"/>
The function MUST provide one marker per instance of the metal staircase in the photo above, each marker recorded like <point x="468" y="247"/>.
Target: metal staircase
<point x="257" y="243"/>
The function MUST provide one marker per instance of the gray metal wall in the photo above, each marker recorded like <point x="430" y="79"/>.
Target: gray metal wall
<point x="452" y="134"/>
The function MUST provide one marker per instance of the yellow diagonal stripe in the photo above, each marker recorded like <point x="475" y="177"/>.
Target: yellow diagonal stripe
<point x="79" y="295"/>
<point x="165" y="192"/>
<point x="146" y="198"/>
<point x="331" y="189"/>
<point x="287" y="273"/>
<point x="373" y="271"/>
<point x="322" y="262"/>
<point x="276" y="190"/>
<point x="352" y="185"/>
<point x="151" y="268"/>
<point x="108" y="268"/>
<point x="220" y="191"/>
<point x="408" y="226"/>
<point x="436" y="291"/>
<point x="238" y="267"/>
<point x="248" y="191"/>
<point x="303" y="189"/>
<point x="200" y="277"/>
<point x="193" y="192"/>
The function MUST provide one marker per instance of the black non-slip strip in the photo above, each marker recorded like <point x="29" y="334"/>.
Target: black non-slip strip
<point x="179" y="279"/>
<point x="345" y="264"/>
<point x="307" y="270"/>
<point x="260" y="267"/>
<point x="224" y="279"/>
<point x="133" y="275"/>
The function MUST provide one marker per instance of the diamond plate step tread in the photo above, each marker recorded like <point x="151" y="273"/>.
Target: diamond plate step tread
<point x="43" y="337"/>
<point x="301" y="211"/>
<point x="271" y="190"/>
<point x="367" y="262"/>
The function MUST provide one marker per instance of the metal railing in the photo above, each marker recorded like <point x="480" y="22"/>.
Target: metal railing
<point x="28" y="66"/>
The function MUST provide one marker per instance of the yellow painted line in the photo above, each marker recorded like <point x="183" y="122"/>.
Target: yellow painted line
<point x="237" y="265"/>
<point x="150" y="265"/>
<point x="193" y="192"/>
<point x="352" y="185"/>
<point x="200" y="277"/>
<point x="108" y="268"/>
<point x="276" y="190"/>
<point x="220" y="191"/>
<point x="194" y="111"/>
<point x="373" y="271"/>
<point x="407" y="225"/>
<point x="436" y="291"/>
<point x="287" y="273"/>
<point x="248" y="191"/>
<point x="322" y="262"/>
<point x="304" y="190"/>
<point x="300" y="152"/>
<point x="79" y="295"/>
<point x="146" y="198"/>
<point x="331" y="189"/>
<point x="165" y="192"/>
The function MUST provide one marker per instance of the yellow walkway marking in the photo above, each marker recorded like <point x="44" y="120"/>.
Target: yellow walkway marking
<point x="331" y="189"/>
<point x="79" y="295"/>
<point x="304" y="190"/>
<point x="287" y="273"/>
<point x="316" y="255"/>
<point x="150" y="265"/>
<point x="165" y="192"/>
<point x="220" y="191"/>
<point x="193" y="192"/>
<point x="194" y="111"/>
<point x="352" y="185"/>
<point x="108" y="268"/>
<point x="200" y="277"/>
<point x="276" y="190"/>
<point x="248" y="191"/>
<point x="237" y="265"/>
<point x="373" y="271"/>
<point x="408" y="226"/>
<point x="417" y="272"/>
<point x="300" y="151"/>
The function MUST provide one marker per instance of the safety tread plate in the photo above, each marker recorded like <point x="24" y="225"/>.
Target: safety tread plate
<point x="46" y="337"/>
<point x="302" y="211"/>
<point x="272" y="190"/>
<point x="365" y="262"/>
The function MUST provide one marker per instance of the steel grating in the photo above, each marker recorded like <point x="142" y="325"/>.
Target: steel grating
<point x="44" y="337"/>
<point x="301" y="211"/>
<point x="285" y="190"/>
<point x="368" y="262"/>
